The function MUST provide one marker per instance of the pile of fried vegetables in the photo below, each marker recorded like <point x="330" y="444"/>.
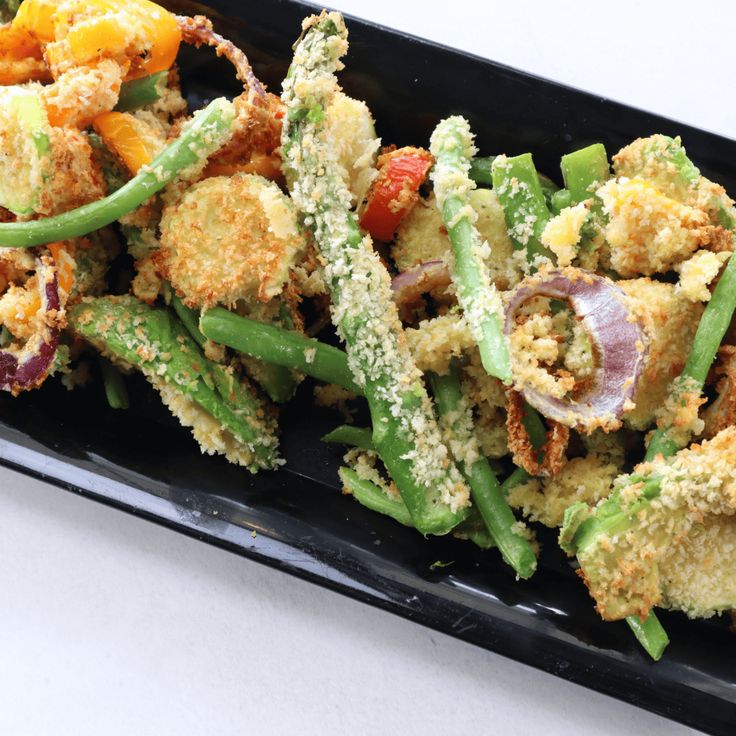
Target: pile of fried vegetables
<point x="516" y="343"/>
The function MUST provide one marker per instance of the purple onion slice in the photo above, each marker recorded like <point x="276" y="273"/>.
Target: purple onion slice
<point x="409" y="285"/>
<point x="26" y="367"/>
<point x="618" y="339"/>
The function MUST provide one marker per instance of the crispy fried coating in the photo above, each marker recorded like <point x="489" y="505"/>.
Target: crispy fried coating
<point x="669" y="321"/>
<point x="587" y="479"/>
<point x="75" y="178"/>
<point x="722" y="412"/>
<point x="422" y="237"/>
<point x="676" y="551"/>
<point x="229" y="238"/>
<point x="647" y="231"/>
<point x="553" y="457"/>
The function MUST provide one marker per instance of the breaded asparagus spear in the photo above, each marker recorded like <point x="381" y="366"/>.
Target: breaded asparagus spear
<point x="452" y="146"/>
<point x="152" y="340"/>
<point x="405" y="432"/>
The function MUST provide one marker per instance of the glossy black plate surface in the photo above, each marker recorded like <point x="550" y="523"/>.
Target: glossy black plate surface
<point x="141" y="461"/>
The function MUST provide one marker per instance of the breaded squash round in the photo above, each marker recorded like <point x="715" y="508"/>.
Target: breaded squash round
<point x="229" y="238"/>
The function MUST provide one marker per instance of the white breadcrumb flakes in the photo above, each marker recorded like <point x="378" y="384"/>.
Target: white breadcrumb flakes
<point x="435" y="342"/>
<point x="647" y="231"/>
<point x="562" y="233"/>
<point x="697" y="273"/>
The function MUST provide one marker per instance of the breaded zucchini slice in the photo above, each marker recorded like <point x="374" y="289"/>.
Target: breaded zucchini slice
<point x="227" y="239"/>
<point x="25" y="149"/>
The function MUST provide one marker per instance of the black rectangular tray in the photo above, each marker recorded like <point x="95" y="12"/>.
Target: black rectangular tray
<point x="141" y="461"/>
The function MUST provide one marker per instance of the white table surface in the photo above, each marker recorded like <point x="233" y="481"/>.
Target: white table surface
<point x="112" y="625"/>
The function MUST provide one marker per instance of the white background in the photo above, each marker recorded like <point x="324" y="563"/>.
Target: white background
<point x="111" y="625"/>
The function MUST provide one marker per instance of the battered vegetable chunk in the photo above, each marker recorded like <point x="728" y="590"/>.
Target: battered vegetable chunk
<point x="25" y="159"/>
<point x="666" y="537"/>
<point x="669" y="321"/>
<point x="649" y="232"/>
<point x="229" y="238"/>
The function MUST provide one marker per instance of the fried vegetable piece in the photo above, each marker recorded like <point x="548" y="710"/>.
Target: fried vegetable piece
<point x="222" y="409"/>
<point x="665" y="537"/>
<point x="669" y="322"/>
<point x="396" y="190"/>
<point x="229" y="238"/>
<point x="405" y="432"/>
<point x="205" y="133"/>
<point x="664" y="161"/>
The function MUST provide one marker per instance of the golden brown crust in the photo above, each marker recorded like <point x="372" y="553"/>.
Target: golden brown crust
<point x="722" y="412"/>
<point x="525" y="456"/>
<point x="75" y="178"/>
<point x="259" y="113"/>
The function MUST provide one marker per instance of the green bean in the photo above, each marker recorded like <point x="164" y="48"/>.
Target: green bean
<point x="559" y="200"/>
<point x="276" y="380"/>
<point x="278" y="346"/>
<point x="189" y="318"/>
<point x="376" y="499"/>
<point x="650" y="634"/>
<point x="485" y="489"/>
<point x="346" y="434"/>
<point x="114" y="383"/>
<point x="207" y="132"/>
<point x="584" y="169"/>
<point x="516" y="182"/>
<point x="141" y="92"/>
<point x="517" y="477"/>
<point x="480" y="170"/>
<point x="405" y="431"/>
<point x="452" y="145"/>
<point x="156" y="343"/>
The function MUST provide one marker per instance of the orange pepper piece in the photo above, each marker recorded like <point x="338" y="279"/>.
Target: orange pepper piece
<point x="36" y="17"/>
<point x="122" y="136"/>
<point x="64" y="267"/>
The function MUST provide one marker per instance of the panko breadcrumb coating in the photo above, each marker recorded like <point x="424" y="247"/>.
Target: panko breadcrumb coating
<point x="229" y="238"/>
<point x="647" y="231"/>
<point x="678" y="549"/>
<point x="422" y="237"/>
<point x="669" y="321"/>
<point x="352" y="136"/>
<point x="586" y="479"/>
<point x="75" y="178"/>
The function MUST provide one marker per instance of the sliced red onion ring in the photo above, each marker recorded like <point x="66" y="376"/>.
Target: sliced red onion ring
<point x="618" y="337"/>
<point x="409" y="285"/>
<point x="25" y="368"/>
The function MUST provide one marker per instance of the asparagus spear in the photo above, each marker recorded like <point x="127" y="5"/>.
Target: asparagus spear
<point x="405" y="432"/>
<point x="156" y="343"/>
<point x="452" y="146"/>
